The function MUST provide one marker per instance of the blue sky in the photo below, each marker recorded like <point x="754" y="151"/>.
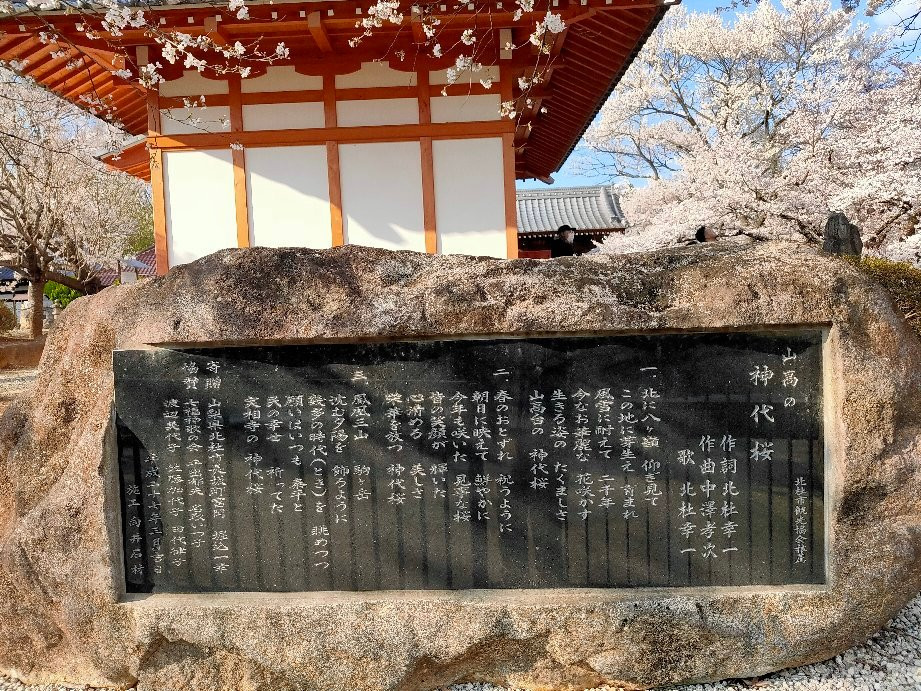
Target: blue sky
<point x="568" y="176"/>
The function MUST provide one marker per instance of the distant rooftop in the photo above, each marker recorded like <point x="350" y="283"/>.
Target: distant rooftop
<point x="148" y="258"/>
<point x="582" y="208"/>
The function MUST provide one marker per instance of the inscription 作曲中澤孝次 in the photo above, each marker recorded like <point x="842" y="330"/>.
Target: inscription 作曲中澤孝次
<point x="581" y="461"/>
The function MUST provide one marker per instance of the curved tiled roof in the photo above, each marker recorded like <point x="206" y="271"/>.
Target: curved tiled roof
<point x="582" y="208"/>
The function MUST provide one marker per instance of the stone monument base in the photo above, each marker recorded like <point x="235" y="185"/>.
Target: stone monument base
<point x="64" y="613"/>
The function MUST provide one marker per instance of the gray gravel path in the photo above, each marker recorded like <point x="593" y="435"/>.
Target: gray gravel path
<point x="15" y="382"/>
<point x="890" y="661"/>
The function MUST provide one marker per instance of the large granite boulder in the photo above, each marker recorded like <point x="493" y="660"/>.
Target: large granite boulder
<point x="63" y="615"/>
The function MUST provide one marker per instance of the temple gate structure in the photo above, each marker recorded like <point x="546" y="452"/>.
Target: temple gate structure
<point x="334" y="144"/>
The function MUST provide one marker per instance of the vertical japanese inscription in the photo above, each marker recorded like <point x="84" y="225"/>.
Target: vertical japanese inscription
<point x="658" y="460"/>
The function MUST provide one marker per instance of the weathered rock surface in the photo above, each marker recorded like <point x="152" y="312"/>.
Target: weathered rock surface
<point x="62" y="614"/>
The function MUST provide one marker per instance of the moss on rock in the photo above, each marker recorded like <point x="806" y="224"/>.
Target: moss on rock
<point x="902" y="281"/>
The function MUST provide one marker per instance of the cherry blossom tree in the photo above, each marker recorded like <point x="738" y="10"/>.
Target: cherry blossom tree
<point x="761" y="126"/>
<point x="906" y="13"/>
<point x="877" y="152"/>
<point x="61" y="211"/>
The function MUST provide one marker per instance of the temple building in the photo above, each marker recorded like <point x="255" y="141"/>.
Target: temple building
<point x="331" y="143"/>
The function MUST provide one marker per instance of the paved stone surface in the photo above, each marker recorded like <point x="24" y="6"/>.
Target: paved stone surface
<point x="61" y="614"/>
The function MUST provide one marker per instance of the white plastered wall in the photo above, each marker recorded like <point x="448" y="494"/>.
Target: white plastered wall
<point x="283" y="116"/>
<point x="288" y="189"/>
<point x="374" y="74"/>
<point x="281" y="79"/>
<point x="381" y="182"/>
<point x="382" y="195"/>
<point x="195" y="120"/>
<point x="193" y="84"/>
<point x="465" y="108"/>
<point x="381" y="111"/>
<point x="200" y="205"/>
<point x="470" y="196"/>
<point x="487" y="73"/>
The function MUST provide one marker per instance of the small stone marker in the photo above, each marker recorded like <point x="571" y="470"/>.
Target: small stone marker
<point x="841" y="236"/>
<point x="353" y="468"/>
<point x="670" y="460"/>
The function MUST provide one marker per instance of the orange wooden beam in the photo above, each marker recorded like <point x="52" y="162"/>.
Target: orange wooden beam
<point x="214" y="32"/>
<point x="429" y="219"/>
<point x="336" y="220"/>
<point x="318" y="32"/>
<point x="90" y="82"/>
<point x="34" y="68"/>
<point x="134" y="160"/>
<point x="378" y="133"/>
<point x="78" y="77"/>
<point x="238" y="155"/>
<point x="334" y="172"/>
<point x="157" y="184"/>
<point x="508" y="169"/>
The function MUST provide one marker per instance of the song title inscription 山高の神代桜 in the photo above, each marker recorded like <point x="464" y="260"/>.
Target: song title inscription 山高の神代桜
<point x="579" y="461"/>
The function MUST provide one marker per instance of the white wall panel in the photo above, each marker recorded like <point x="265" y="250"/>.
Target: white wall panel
<point x="491" y="72"/>
<point x="195" y="120"/>
<point x="283" y="116"/>
<point x="288" y="190"/>
<point x="380" y="111"/>
<point x="470" y="196"/>
<point x="192" y="84"/>
<point x="382" y="195"/>
<point x="200" y="207"/>
<point x="373" y="74"/>
<point x="281" y="79"/>
<point x="465" y="108"/>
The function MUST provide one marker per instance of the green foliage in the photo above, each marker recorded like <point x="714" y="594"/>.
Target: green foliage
<point x="60" y="295"/>
<point x="903" y="281"/>
<point x="7" y="318"/>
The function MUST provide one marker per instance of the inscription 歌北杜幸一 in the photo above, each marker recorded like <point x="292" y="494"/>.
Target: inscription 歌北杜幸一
<point x="578" y="461"/>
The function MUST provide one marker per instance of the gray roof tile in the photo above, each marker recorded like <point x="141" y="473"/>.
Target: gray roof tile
<point x="582" y="208"/>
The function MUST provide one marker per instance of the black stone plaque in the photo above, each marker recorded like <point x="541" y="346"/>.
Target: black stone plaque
<point x="580" y="461"/>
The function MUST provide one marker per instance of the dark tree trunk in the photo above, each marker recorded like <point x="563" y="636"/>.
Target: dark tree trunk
<point x="37" y="293"/>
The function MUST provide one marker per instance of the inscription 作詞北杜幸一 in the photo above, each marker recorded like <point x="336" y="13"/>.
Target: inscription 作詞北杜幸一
<point x="580" y="461"/>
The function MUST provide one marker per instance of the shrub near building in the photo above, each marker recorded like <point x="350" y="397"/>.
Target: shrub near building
<point x="60" y="295"/>
<point x="7" y="319"/>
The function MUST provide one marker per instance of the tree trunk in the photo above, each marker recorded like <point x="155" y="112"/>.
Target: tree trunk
<point x="37" y="294"/>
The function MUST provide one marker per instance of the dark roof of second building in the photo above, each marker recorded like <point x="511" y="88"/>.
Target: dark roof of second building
<point x="582" y="208"/>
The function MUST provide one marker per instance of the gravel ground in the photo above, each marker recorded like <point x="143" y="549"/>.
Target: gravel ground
<point x="14" y="382"/>
<point x="890" y="661"/>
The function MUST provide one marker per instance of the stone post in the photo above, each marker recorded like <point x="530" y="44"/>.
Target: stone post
<point x="841" y="236"/>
